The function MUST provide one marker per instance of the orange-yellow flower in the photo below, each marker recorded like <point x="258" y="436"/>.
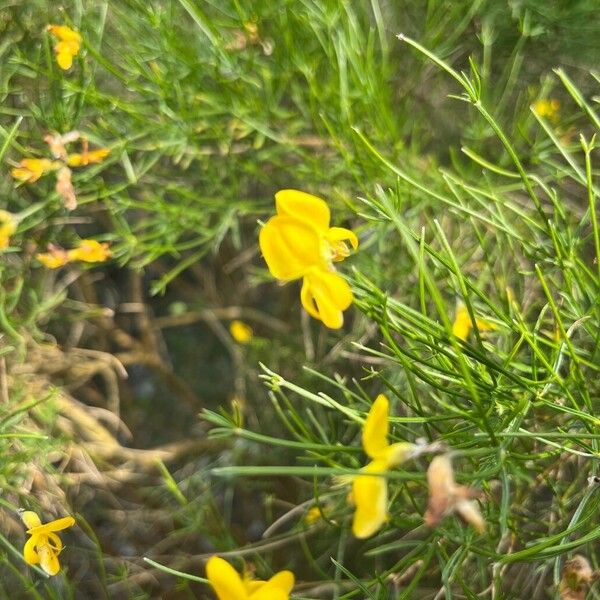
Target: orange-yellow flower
<point x="240" y="332"/>
<point x="8" y="225"/>
<point x="44" y="546"/>
<point x="90" y="251"/>
<point x="69" y="43"/>
<point x="87" y="158"/>
<point x="462" y="324"/>
<point x="55" y="257"/>
<point x="298" y="243"/>
<point x="228" y="585"/>
<point x="369" y="490"/>
<point x="31" y="169"/>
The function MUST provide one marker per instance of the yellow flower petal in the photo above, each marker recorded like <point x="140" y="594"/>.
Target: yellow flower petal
<point x="87" y="158"/>
<point x="369" y="493"/>
<point x="462" y="324"/>
<point x="277" y="588"/>
<point x="56" y="525"/>
<point x="337" y="237"/>
<point x="64" y="60"/>
<point x="30" y="519"/>
<point x="64" y="33"/>
<point x="225" y="580"/>
<point x="8" y="225"/>
<point x="375" y="431"/>
<point x="325" y="295"/>
<point x="240" y="332"/>
<point x="29" y="551"/>
<point x="396" y="454"/>
<point x="48" y="559"/>
<point x="53" y="260"/>
<point x="90" y="251"/>
<point x="290" y="247"/>
<point x="31" y="169"/>
<point x="303" y="207"/>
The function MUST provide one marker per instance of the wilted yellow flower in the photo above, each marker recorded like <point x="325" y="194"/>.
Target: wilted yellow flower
<point x="90" y="251"/>
<point x="240" y="332"/>
<point x="31" y="169"/>
<point x="44" y="546"/>
<point x="69" y="43"/>
<point x="547" y="109"/>
<point x="228" y="585"/>
<point x="298" y="243"/>
<point x="446" y="496"/>
<point x="462" y="324"/>
<point x="87" y="158"/>
<point x="369" y="491"/>
<point x="8" y="225"/>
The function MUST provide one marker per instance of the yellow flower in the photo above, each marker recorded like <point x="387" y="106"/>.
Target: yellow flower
<point x="462" y="324"/>
<point x="240" y="332"/>
<point x="90" y="251"/>
<point x="31" y="169"/>
<point x="313" y="515"/>
<point x="44" y="546"/>
<point x="228" y="585"/>
<point x="298" y="243"/>
<point x="69" y="43"/>
<point x="8" y="225"/>
<point x="87" y="158"/>
<point x="547" y="108"/>
<point x="369" y="491"/>
<point x="55" y="257"/>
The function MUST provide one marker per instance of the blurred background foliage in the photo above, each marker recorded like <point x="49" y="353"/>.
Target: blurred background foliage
<point x="208" y="109"/>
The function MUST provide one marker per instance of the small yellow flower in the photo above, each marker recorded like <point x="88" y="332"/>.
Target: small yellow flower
<point x="90" y="251"/>
<point x="69" y="43"/>
<point x="313" y="515"/>
<point x="55" y="257"/>
<point x="298" y="243"/>
<point x="44" y="546"/>
<point x="240" y="332"/>
<point x="8" y="225"/>
<point x="547" y="109"/>
<point x="31" y="169"/>
<point x="87" y="158"/>
<point x="228" y="585"/>
<point x="462" y="324"/>
<point x="369" y="491"/>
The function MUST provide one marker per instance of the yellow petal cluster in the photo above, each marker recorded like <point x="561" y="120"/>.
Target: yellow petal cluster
<point x="547" y="109"/>
<point x="8" y="225"/>
<point x="240" y="332"/>
<point x="87" y="158"/>
<point x="369" y="490"/>
<point x="69" y="43"/>
<point x="298" y="243"/>
<point x="90" y="251"/>
<point x="31" y="169"/>
<point x="44" y="546"/>
<point x="462" y="324"/>
<point x="228" y="585"/>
